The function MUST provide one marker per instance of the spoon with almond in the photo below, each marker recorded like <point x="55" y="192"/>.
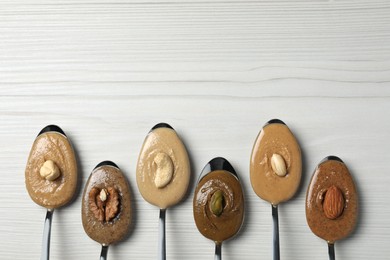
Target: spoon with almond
<point x="331" y="202"/>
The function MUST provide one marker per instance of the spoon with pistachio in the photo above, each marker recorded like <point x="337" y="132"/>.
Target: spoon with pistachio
<point x="51" y="175"/>
<point x="106" y="206"/>
<point x="163" y="173"/>
<point x="275" y="169"/>
<point x="218" y="204"/>
<point x="331" y="202"/>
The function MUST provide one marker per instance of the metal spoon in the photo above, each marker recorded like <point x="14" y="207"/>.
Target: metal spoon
<point x="215" y="164"/>
<point x="103" y="253"/>
<point x="161" y="222"/>
<point x="45" y="252"/>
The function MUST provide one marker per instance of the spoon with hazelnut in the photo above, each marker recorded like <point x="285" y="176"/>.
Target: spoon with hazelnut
<point x="106" y="206"/>
<point x="163" y="173"/>
<point x="51" y="175"/>
<point x="275" y="169"/>
<point x="218" y="204"/>
<point x="331" y="202"/>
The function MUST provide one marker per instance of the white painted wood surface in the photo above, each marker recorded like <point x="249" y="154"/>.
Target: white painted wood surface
<point x="107" y="71"/>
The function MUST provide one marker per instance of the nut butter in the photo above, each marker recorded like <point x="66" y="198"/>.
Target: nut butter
<point x="331" y="201"/>
<point x="106" y="204"/>
<point x="51" y="171"/>
<point x="218" y="223"/>
<point x="276" y="164"/>
<point x="163" y="168"/>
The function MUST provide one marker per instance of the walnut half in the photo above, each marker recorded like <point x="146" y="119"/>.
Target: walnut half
<point x="105" y="210"/>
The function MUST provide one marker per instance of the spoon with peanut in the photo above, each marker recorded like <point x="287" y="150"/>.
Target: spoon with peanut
<point x="275" y="169"/>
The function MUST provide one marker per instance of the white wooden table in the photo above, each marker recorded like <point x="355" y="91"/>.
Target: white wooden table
<point x="107" y="71"/>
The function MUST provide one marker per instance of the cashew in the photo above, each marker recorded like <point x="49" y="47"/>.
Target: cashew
<point x="49" y="170"/>
<point x="164" y="172"/>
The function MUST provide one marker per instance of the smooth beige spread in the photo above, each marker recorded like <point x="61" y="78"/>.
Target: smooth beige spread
<point x="330" y="173"/>
<point x="219" y="227"/>
<point x="163" y="141"/>
<point x="56" y="193"/>
<point x="275" y="138"/>
<point x="116" y="229"/>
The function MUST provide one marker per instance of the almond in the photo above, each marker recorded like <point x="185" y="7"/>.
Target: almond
<point x="333" y="204"/>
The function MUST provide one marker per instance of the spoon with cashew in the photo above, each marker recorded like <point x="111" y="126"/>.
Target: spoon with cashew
<point x="275" y="169"/>
<point x="106" y="206"/>
<point x="163" y="173"/>
<point x="51" y="175"/>
<point x="218" y="204"/>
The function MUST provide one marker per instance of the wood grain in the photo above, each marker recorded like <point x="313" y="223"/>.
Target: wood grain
<point x="107" y="71"/>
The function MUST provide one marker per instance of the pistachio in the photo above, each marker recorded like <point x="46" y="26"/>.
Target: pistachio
<point x="217" y="203"/>
<point x="164" y="172"/>
<point x="49" y="170"/>
<point x="278" y="165"/>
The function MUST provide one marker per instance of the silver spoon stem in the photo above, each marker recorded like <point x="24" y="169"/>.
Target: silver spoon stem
<point x="275" y="218"/>
<point x="218" y="251"/>
<point x="103" y="254"/>
<point x="331" y="251"/>
<point x="161" y="243"/>
<point x="46" y="235"/>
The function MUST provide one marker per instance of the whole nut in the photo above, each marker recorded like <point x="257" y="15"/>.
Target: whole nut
<point x="278" y="165"/>
<point x="104" y="207"/>
<point x="164" y="172"/>
<point x="217" y="203"/>
<point x="333" y="204"/>
<point x="103" y="195"/>
<point x="49" y="170"/>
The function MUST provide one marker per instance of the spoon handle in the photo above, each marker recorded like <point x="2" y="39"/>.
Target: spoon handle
<point x="331" y="251"/>
<point x="161" y="243"/>
<point x="275" y="218"/>
<point x="103" y="254"/>
<point x="218" y="253"/>
<point x="46" y="235"/>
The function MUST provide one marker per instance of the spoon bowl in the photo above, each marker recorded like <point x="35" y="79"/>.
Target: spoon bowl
<point x="51" y="176"/>
<point x="218" y="203"/>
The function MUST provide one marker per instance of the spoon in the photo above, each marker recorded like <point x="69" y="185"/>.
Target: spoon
<point x="52" y="151"/>
<point x="163" y="173"/>
<point x="218" y="199"/>
<point x="331" y="202"/>
<point x="110" y="192"/>
<point x="275" y="169"/>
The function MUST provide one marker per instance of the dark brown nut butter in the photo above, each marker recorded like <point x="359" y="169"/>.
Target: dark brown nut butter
<point x="218" y="205"/>
<point x="106" y="207"/>
<point x="331" y="201"/>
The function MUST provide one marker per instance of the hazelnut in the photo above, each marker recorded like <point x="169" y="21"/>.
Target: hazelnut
<point x="49" y="170"/>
